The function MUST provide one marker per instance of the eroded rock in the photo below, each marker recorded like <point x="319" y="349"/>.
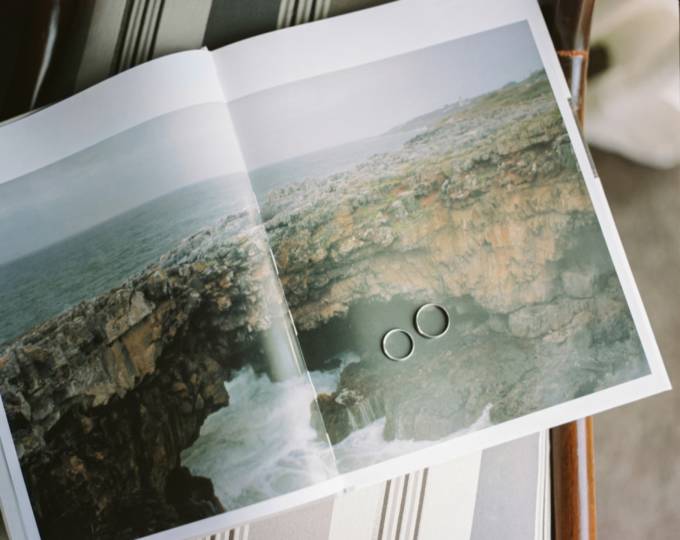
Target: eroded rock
<point x="103" y="398"/>
<point x="484" y="211"/>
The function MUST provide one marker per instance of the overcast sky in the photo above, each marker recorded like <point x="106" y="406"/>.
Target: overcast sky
<point x="352" y="104"/>
<point x="113" y="176"/>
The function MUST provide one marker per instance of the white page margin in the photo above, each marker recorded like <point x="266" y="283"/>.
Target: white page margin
<point x="165" y="85"/>
<point x="362" y="37"/>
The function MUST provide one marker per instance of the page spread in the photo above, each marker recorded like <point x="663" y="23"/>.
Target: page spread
<point x="311" y="263"/>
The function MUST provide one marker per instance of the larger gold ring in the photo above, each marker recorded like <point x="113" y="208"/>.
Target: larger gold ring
<point x="419" y="328"/>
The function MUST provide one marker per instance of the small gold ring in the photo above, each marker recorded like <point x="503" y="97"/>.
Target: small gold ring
<point x="389" y="355"/>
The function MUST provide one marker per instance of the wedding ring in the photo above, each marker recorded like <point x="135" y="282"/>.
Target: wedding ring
<point x="418" y="321"/>
<point x="391" y="356"/>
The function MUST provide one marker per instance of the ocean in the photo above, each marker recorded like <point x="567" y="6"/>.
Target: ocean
<point x="43" y="284"/>
<point x="323" y="163"/>
<point x="263" y="444"/>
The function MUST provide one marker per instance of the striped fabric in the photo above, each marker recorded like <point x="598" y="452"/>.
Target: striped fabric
<point x="139" y="30"/>
<point x="499" y="493"/>
<point x="240" y="533"/>
<point x="125" y="33"/>
<point x="402" y="508"/>
<point x="405" y="508"/>
<point x="301" y="11"/>
<point x="100" y="38"/>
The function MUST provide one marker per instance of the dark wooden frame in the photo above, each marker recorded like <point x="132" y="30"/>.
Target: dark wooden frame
<point x="572" y="452"/>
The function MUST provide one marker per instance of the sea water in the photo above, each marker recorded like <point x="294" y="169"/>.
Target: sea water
<point x="43" y="284"/>
<point x="367" y="446"/>
<point x="323" y="163"/>
<point x="264" y="444"/>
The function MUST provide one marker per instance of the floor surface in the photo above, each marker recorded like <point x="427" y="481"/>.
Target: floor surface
<point x="637" y="447"/>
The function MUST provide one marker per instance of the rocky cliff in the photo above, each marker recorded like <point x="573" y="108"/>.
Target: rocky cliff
<point x="486" y="212"/>
<point x="102" y="399"/>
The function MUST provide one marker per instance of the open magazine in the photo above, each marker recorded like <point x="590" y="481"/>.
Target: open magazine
<point x="235" y="282"/>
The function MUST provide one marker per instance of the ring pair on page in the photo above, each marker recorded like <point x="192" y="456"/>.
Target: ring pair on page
<point x="423" y="327"/>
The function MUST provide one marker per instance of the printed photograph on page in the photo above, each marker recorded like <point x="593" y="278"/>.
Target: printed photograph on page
<point x="436" y="243"/>
<point x="148" y="366"/>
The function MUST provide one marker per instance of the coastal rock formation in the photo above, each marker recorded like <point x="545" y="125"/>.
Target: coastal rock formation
<point x="491" y="190"/>
<point x="483" y="211"/>
<point x="103" y="398"/>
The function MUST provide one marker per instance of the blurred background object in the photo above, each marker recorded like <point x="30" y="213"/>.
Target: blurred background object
<point x="637" y="447"/>
<point x="633" y="100"/>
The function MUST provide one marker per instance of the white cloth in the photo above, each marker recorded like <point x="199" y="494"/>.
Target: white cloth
<point x="633" y="108"/>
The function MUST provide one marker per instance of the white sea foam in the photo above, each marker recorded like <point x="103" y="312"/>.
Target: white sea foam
<point x="367" y="446"/>
<point x="326" y="382"/>
<point x="263" y="444"/>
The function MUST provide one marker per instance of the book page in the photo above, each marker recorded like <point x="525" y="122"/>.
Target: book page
<point x="149" y="371"/>
<point x="444" y="245"/>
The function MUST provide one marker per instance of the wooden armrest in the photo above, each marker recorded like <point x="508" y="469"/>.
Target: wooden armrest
<point x="572" y="454"/>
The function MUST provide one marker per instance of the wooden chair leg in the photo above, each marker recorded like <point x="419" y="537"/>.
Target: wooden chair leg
<point x="572" y="458"/>
<point x="573" y="481"/>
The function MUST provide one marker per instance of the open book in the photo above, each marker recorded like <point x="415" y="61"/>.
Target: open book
<point x="235" y="282"/>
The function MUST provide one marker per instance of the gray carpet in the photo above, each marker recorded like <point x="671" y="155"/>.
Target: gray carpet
<point x="637" y="447"/>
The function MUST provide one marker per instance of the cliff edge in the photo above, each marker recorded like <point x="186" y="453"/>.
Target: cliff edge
<point x="103" y="398"/>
